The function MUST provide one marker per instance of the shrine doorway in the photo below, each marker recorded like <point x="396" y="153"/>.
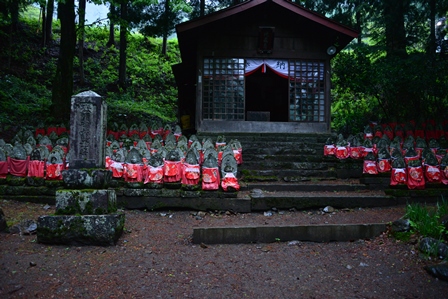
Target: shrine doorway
<point x="266" y="92"/>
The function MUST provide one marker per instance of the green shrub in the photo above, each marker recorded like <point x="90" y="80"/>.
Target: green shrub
<point x="425" y="220"/>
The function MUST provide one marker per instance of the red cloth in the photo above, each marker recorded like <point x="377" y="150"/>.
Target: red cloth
<point x="369" y="167"/>
<point x="210" y="178"/>
<point x="40" y="131"/>
<point x="407" y="159"/>
<point x="60" y="130"/>
<point x="190" y="174"/>
<point x="368" y="136"/>
<point x="444" y="171"/>
<point x="154" y="175"/>
<point x="3" y="169"/>
<point x="113" y="133"/>
<point x="172" y="171"/>
<point x="356" y="152"/>
<point x="54" y="171"/>
<point x="18" y="167"/>
<point x="133" y="173"/>
<point x="419" y="133"/>
<point x="433" y="174"/>
<point x="142" y="134"/>
<point x="416" y="178"/>
<point x="389" y="134"/>
<point x="201" y="157"/>
<point x="238" y="154"/>
<point x="117" y="169"/>
<point x="36" y="168"/>
<point x="384" y="165"/>
<point x="329" y="150"/>
<point x="398" y="176"/>
<point x="52" y="129"/>
<point x="230" y="180"/>
<point x="342" y="152"/>
<point x="132" y="132"/>
<point x="219" y="158"/>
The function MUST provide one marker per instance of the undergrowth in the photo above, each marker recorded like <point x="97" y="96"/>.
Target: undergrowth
<point x="426" y="220"/>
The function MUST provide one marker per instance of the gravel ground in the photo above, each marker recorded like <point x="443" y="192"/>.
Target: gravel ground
<point x="155" y="258"/>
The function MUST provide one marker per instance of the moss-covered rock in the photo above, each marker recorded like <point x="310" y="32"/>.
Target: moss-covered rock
<point x="85" y="202"/>
<point x="102" y="230"/>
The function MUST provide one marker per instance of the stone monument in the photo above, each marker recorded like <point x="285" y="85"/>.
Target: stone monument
<point x="86" y="210"/>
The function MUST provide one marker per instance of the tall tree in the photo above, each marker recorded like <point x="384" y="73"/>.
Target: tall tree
<point x="123" y="43"/>
<point x="394" y="15"/>
<point x="112" y="15"/>
<point x="63" y="79"/>
<point x="48" y="30"/>
<point x="81" y="38"/>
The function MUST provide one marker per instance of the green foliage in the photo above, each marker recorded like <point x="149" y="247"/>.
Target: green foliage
<point x="369" y="86"/>
<point x="426" y="220"/>
<point x="26" y="79"/>
<point x="23" y="103"/>
<point x="352" y="106"/>
<point x="151" y="90"/>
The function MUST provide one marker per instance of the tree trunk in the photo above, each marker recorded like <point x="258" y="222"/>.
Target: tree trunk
<point x="82" y="21"/>
<point x="14" y="10"/>
<point x="165" y="31"/>
<point x="49" y="22"/>
<point x="123" y="45"/>
<point x="395" y="32"/>
<point x="112" y="13"/>
<point x="432" y="36"/>
<point x="202" y="8"/>
<point x="43" y="8"/>
<point x="63" y="80"/>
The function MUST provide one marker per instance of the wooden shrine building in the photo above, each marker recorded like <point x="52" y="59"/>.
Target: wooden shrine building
<point x="259" y="66"/>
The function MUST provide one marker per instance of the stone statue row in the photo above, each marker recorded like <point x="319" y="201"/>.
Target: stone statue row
<point x="176" y="159"/>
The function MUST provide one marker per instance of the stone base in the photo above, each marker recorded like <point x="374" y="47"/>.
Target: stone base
<point x="86" y="202"/>
<point x="102" y="230"/>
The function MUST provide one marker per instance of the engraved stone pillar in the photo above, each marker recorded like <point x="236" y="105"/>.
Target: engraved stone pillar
<point x="87" y="130"/>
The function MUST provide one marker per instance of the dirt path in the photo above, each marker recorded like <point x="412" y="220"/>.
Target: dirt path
<point x="156" y="259"/>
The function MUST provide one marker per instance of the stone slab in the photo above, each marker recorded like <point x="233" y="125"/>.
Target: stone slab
<point x="102" y="230"/>
<point x="239" y="205"/>
<point x="82" y="178"/>
<point x="269" y="234"/>
<point x="86" y="202"/>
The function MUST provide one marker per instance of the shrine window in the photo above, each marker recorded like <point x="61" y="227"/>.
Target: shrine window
<point x="306" y="91"/>
<point x="223" y="89"/>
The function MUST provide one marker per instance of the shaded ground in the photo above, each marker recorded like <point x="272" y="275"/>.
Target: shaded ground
<point x="156" y="259"/>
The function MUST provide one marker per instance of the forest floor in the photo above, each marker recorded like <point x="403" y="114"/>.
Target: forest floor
<point x="155" y="258"/>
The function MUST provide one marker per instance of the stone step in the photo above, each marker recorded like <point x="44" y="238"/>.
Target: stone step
<point x="269" y="137"/>
<point x="298" y="158"/>
<point x="324" y="186"/>
<point x="280" y="174"/>
<point x="300" y="200"/>
<point x="269" y="234"/>
<point x="284" y="164"/>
